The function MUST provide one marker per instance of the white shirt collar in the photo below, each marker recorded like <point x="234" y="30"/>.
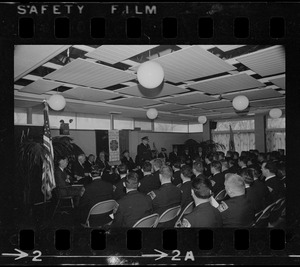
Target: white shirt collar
<point x="247" y="186"/>
<point x="269" y="177"/>
<point x="183" y="182"/>
<point x="61" y="168"/>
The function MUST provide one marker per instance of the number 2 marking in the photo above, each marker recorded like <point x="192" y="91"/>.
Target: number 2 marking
<point x="174" y="258"/>
<point x="35" y="258"/>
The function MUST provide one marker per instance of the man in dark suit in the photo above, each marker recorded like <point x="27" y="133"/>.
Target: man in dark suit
<point x="167" y="196"/>
<point x="148" y="182"/>
<point x="217" y="178"/>
<point x="176" y="179"/>
<point x="187" y="157"/>
<point x="95" y="192"/>
<point x="173" y="156"/>
<point x="186" y="175"/>
<point x="89" y="163"/>
<point x="237" y="211"/>
<point x="233" y="168"/>
<point x="275" y="186"/>
<point x="61" y="177"/>
<point x="119" y="189"/>
<point x="225" y="166"/>
<point x="242" y="162"/>
<point x="143" y="151"/>
<point x="133" y="206"/>
<point x="79" y="172"/>
<point x="256" y="190"/>
<point x="156" y="165"/>
<point x="204" y="214"/>
<point x="198" y="169"/>
<point x="208" y="159"/>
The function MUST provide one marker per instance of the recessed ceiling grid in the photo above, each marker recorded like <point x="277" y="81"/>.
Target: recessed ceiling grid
<point x="230" y="83"/>
<point x="280" y="82"/>
<point x="116" y="53"/>
<point x="191" y="63"/>
<point x="266" y="62"/>
<point x="190" y="98"/>
<point x="40" y="86"/>
<point x="90" y="74"/>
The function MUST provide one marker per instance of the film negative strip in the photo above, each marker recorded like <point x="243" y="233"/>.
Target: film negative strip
<point x="28" y="236"/>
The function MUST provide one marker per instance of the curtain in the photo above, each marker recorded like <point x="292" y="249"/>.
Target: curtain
<point x="242" y="141"/>
<point x="275" y="140"/>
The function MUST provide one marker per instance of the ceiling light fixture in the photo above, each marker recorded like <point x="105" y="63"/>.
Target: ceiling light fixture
<point x="275" y="113"/>
<point x="57" y="102"/>
<point x="152" y="113"/>
<point x="240" y="102"/>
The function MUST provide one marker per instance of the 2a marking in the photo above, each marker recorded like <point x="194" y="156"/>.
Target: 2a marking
<point x="188" y="256"/>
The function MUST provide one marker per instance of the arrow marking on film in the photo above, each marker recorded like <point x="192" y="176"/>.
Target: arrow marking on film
<point x="20" y="255"/>
<point x="160" y="255"/>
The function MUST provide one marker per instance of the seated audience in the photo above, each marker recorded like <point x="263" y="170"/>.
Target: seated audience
<point x="275" y="186"/>
<point x="204" y="214"/>
<point x="256" y="191"/>
<point x="148" y="182"/>
<point x="217" y="178"/>
<point x="187" y="157"/>
<point x="233" y="167"/>
<point x="168" y="195"/>
<point x="281" y="173"/>
<point x="221" y="155"/>
<point x="199" y="154"/>
<point x="119" y="189"/>
<point x="156" y="165"/>
<point x="176" y="179"/>
<point x="237" y="211"/>
<point x="95" y="192"/>
<point x="242" y="163"/>
<point x="235" y="155"/>
<point x="133" y="206"/>
<point x="62" y="179"/>
<point x="128" y="161"/>
<point x="186" y="175"/>
<point x="102" y="163"/>
<point x="208" y="159"/>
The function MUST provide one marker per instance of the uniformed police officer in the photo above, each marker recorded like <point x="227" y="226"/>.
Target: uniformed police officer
<point x="204" y="214"/>
<point x="167" y="196"/>
<point x="238" y="210"/>
<point x="143" y="151"/>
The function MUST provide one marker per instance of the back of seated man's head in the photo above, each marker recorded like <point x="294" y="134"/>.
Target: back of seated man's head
<point x="216" y="166"/>
<point x="186" y="171"/>
<point x="165" y="173"/>
<point x="234" y="185"/>
<point x="177" y="164"/>
<point x="209" y="157"/>
<point x="281" y="170"/>
<point x="215" y="156"/>
<point x="201" y="188"/>
<point x="270" y="166"/>
<point x="157" y="164"/>
<point x="224" y="163"/>
<point x="198" y="167"/>
<point x="132" y="180"/>
<point x="147" y="166"/>
<point x="243" y="160"/>
<point x="96" y="171"/>
<point x="231" y="162"/>
<point x="122" y="169"/>
<point x="247" y="175"/>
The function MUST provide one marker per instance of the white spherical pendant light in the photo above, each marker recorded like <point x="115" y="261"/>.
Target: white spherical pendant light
<point x="202" y="119"/>
<point x="152" y="113"/>
<point x="240" y="102"/>
<point x="150" y="74"/>
<point x="57" y="102"/>
<point x="275" y="113"/>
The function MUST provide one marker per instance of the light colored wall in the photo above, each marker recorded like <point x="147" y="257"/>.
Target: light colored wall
<point x="85" y="139"/>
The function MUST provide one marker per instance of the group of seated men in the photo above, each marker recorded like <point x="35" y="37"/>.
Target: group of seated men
<point x="251" y="185"/>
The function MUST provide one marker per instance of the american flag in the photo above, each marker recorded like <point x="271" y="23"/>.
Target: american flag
<point x="48" y="181"/>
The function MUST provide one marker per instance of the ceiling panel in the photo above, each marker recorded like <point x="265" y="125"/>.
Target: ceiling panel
<point x="226" y="48"/>
<point x="255" y="94"/>
<point x="88" y="94"/>
<point x="227" y="84"/>
<point x="168" y="89"/>
<point x="269" y="61"/>
<point x="269" y="102"/>
<point x="190" y="98"/>
<point x="134" y="102"/>
<point x="214" y="104"/>
<point x="40" y="86"/>
<point x="192" y="111"/>
<point x="116" y="53"/>
<point x="191" y="63"/>
<point x="280" y="82"/>
<point x="85" y="73"/>
<point x="26" y="103"/>
<point x="169" y="107"/>
<point x="29" y="57"/>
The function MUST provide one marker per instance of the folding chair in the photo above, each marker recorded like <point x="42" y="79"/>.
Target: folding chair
<point x="188" y="209"/>
<point x="276" y="213"/>
<point x="169" y="214"/>
<point x="147" y="222"/>
<point x="101" y="208"/>
<point x="263" y="218"/>
<point x="221" y="195"/>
